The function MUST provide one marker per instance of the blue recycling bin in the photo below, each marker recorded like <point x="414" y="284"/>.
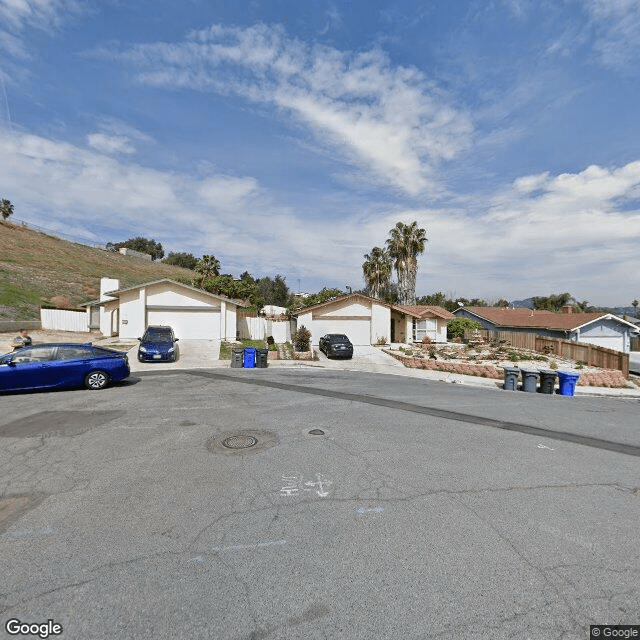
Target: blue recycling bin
<point x="567" y="382"/>
<point x="510" y="378"/>
<point x="249" y="358"/>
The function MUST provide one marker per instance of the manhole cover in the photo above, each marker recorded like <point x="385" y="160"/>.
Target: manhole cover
<point x="316" y="432"/>
<point x="239" y="442"/>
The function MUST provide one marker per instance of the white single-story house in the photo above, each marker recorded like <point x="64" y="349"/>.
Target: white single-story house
<point x="597" y="328"/>
<point x="192" y="313"/>
<point x="366" y="320"/>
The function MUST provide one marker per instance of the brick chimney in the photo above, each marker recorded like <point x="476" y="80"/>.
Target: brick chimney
<point x="568" y="308"/>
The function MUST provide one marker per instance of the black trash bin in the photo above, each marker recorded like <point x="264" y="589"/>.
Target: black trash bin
<point x="547" y="381"/>
<point x="236" y="357"/>
<point x="262" y="356"/>
<point x="510" y="378"/>
<point x="529" y="380"/>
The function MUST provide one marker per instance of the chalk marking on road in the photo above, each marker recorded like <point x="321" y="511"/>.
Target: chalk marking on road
<point x="293" y="485"/>
<point x="370" y="510"/>
<point x="544" y="446"/>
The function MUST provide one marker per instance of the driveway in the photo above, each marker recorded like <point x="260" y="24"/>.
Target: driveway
<point x="365" y="358"/>
<point x="192" y="354"/>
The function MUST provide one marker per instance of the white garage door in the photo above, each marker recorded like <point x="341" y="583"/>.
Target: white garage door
<point x="188" y="325"/>
<point x="358" y="331"/>
<point x="610" y="342"/>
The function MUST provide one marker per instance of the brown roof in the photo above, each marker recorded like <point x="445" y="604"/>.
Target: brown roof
<point x="535" y="318"/>
<point x="420" y="310"/>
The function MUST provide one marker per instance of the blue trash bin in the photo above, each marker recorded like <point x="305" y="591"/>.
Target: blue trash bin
<point x="249" y="358"/>
<point x="567" y="382"/>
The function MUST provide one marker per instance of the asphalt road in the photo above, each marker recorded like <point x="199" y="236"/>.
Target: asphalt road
<point x="423" y="510"/>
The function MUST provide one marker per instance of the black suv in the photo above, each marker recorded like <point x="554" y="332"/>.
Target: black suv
<point x="336" y="345"/>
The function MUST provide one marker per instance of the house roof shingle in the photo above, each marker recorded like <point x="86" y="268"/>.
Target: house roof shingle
<point x="536" y="319"/>
<point x="420" y="311"/>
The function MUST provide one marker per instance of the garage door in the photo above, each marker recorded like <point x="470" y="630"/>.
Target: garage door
<point x="188" y="325"/>
<point x="358" y="331"/>
<point x="610" y="342"/>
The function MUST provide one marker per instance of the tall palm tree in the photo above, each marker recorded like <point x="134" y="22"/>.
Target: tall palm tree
<point x="207" y="266"/>
<point x="377" y="270"/>
<point x="405" y="243"/>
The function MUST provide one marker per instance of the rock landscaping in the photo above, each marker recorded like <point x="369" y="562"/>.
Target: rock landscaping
<point x="486" y="359"/>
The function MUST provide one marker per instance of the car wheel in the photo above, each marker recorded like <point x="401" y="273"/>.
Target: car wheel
<point x="96" y="380"/>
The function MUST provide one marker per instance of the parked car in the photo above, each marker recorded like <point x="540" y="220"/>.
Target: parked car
<point x="337" y="345"/>
<point x="62" y="365"/>
<point x="158" y="344"/>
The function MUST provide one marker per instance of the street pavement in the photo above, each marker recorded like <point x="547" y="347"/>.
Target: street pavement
<point x="422" y="510"/>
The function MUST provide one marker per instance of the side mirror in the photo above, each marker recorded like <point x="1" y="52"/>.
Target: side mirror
<point x="177" y="339"/>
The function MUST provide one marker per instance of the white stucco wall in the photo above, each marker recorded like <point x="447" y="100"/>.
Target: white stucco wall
<point x="132" y="314"/>
<point x="380" y="323"/>
<point x="304" y="319"/>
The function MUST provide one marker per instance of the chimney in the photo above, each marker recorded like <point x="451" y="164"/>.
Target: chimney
<point x="567" y="308"/>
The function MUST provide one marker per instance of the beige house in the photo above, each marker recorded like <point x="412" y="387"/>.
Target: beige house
<point x="366" y="320"/>
<point x="190" y="312"/>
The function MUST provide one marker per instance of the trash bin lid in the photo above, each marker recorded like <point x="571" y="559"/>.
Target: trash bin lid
<point x="250" y="349"/>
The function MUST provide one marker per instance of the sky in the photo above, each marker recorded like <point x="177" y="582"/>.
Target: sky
<point x="289" y="137"/>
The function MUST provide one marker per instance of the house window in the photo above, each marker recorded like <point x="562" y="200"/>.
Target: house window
<point x="419" y="329"/>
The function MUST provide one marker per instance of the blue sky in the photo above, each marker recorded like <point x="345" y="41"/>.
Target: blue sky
<point x="290" y="137"/>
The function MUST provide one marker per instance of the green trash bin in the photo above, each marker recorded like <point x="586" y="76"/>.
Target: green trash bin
<point x="510" y="378"/>
<point x="547" y="381"/>
<point x="262" y="356"/>
<point x="236" y="358"/>
<point x="529" y="380"/>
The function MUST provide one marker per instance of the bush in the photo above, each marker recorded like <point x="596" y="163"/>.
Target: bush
<point x="381" y="341"/>
<point x="457" y="327"/>
<point x="302" y="339"/>
<point x="270" y="340"/>
<point x="426" y="340"/>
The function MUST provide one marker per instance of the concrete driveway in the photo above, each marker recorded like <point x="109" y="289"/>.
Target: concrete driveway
<point x="192" y="354"/>
<point x="365" y="358"/>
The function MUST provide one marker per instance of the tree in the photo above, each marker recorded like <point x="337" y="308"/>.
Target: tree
<point x="554" y="302"/>
<point x="180" y="259"/>
<point x="6" y="208"/>
<point x="377" y="271"/>
<point x="635" y="304"/>
<point x="207" y="267"/>
<point x="405" y="243"/>
<point x="434" y="300"/>
<point x="457" y="327"/>
<point x="273" y="291"/>
<point x="144" y="245"/>
<point x="226" y="285"/>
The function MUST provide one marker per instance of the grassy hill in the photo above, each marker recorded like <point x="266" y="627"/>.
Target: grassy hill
<point x="34" y="268"/>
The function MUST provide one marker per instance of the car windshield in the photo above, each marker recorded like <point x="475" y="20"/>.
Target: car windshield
<point x="338" y="338"/>
<point x="158" y="336"/>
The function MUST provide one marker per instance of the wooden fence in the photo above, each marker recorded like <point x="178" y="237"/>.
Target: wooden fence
<point x="590" y="354"/>
<point x="635" y="344"/>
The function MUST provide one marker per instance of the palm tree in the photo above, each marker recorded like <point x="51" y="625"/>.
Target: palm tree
<point x="207" y="266"/>
<point x="635" y="304"/>
<point x="6" y="208"/>
<point x="405" y="243"/>
<point x="377" y="270"/>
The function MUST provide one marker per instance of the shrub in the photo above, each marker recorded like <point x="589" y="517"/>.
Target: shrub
<point x="553" y="364"/>
<point x="270" y="340"/>
<point x="457" y="327"/>
<point x="426" y="340"/>
<point x="302" y="339"/>
<point x="381" y="341"/>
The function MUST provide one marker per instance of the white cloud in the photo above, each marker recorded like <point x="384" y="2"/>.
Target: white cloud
<point x="617" y="26"/>
<point x="110" y="144"/>
<point x="544" y="233"/>
<point x="388" y="121"/>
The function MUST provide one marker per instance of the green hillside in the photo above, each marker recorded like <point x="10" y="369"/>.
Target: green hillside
<point x="34" y="268"/>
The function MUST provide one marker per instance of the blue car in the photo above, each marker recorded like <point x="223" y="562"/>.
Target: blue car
<point x="158" y="344"/>
<point x="45" y="366"/>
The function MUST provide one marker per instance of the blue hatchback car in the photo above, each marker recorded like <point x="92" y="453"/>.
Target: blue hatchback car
<point x="158" y="344"/>
<point x="62" y="365"/>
